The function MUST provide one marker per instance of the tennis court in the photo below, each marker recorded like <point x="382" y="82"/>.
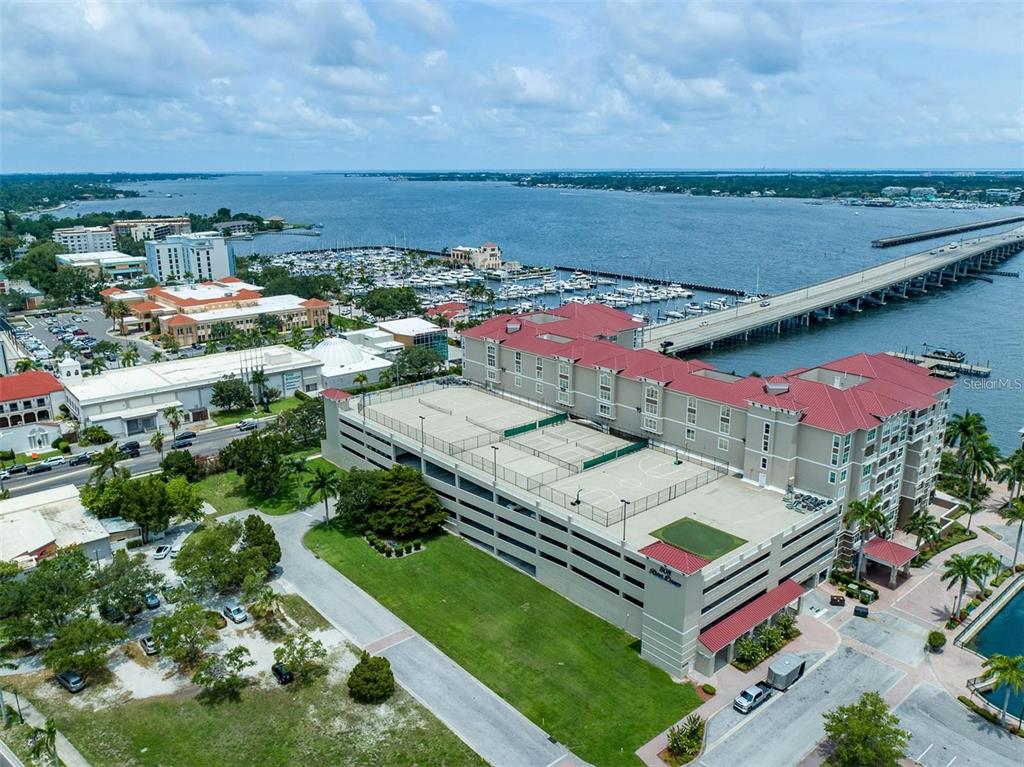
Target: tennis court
<point x="698" y="538"/>
<point x="570" y="442"/>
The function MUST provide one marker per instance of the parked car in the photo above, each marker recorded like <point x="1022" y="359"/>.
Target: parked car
<point x="281" y="674"/>
<point x="54" y="460"/>
<point x="161" y="552"/>
<point x="186" y="435"/>
<point x="175" y="550"/>
<point x="18" y="468"/>
<point x="71" y="681"/>
<point x="752" y="697"/>
<point x="79" y="332"/>
<point x="181" y="443"/>
<point x="128" y="446"/>
<point x="81" y="458"/>
<point x="111" y="613"/>
<point x="235" y="612"/>
<point x="148" y="645"/>
<point x="152" y="600"/>
<point x="39" y="468"/>
<point x="129" y="453"/>
<point x="246" y="423"/>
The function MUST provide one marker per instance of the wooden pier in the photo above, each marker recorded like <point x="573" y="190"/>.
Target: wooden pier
<point x="943" y="367"/>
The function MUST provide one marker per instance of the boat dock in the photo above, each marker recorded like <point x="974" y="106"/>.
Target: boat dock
<point x="900" y="279"/>
<point x="940" y="366"/>
<point x="654" y="280"/>
<point x="931" y="234"/>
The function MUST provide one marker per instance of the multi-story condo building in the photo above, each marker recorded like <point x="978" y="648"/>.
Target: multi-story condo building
<point x="110" y="264"/>
<point x="196" y="313"/>
<point x="231" y="228"/>
<point x="85" y="239"/>
<point x="152" y="228"/>
<point x="202" y="256"/>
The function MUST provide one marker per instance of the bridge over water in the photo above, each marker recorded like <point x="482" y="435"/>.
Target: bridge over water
<point x="901" y="278"/>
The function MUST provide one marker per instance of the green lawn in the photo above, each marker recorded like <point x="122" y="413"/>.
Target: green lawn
<point x="698" y="538"/>
<point x="303" y="613"/>
<point x="225" y="491"/>
<point x="269" y="727"/>
<point x="575" y="675"/>
<point x="40" y="455"/>
<point x="226" y="417"/>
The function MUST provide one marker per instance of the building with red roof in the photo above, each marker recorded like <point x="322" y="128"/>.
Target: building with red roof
<point x="29" y="404"/>
<point x="451" y="311"/>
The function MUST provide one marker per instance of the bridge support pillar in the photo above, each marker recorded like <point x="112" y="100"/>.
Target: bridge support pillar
<point x="778" y="328"/>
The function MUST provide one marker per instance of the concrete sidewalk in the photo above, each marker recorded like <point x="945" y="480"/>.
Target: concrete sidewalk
<point x="489" y="725"/>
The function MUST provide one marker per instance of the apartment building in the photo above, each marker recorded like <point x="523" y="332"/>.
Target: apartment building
<point x="111" y="264"/>
<point x="195" y="313"/>
<point x="846" y="429"/>
<point x="29" y="405"/>
<point x="202" y="256"/>
<point x="140" y="229"/>
<point x="85" y="239"/>
<point x="487" y="256"/>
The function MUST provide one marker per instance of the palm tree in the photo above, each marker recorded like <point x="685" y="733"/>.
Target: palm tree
<point x="258" y="380"/>
<point x="361" y="379"/>
<point x="174" y="416"/>
<point x="989" y="565"/>
<point x="960" y="569"/>
<point x="212" y="346"/>
<point x="296" y="468"/>
<point x="971" y="508"/>
<point x="104" y="461"/>
<point x="1014" y="512"/>
<point x="97" y="365"/>
<point x="129" y="356"/>
<point x="319" y="333"/>
<point x="1012" y="472"/>
<point x="963" y="428"/>
<point x="324" y="484"/>
<point x="297" y="338"/>
<point x="119" y="310"/>
<point x="45" y="742"/>
<point x="156" y="356"/>
<point x="157" y="441"/>
<point x="924" y="526"/>
<point x="867" y="517"/>
<point x="25" y="364"/>
<point x="978" y="460"/>
<point x="1008" y="673"/>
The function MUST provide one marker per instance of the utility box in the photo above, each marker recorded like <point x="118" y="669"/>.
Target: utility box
<point x="860" y="611"/>
<point x="785" y="670"/>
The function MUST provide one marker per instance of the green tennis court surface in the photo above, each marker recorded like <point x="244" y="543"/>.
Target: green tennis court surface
<point x="698" y="538"/>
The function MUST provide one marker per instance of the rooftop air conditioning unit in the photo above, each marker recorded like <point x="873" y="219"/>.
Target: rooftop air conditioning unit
<point x="776" y="387"/>
<point x="512" y="326"/>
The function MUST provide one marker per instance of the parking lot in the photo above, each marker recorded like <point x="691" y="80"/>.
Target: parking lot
<point x="897" y="637"/>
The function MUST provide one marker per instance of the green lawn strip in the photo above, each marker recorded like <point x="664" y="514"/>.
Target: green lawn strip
<point x="575" y="675"/>
<point x="316" y="724"/>
<point x="18" y="736"/>
<point x="226" y="417"/>
<point x="698" y="538"/>
<point x="225" y="491"/>
<point x="303" y="613"/>
<point x="29" y="457"/>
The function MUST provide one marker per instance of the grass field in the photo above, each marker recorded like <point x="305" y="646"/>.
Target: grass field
<point x="698" y="538"/>
<point x="39" y="455"/>
<point x="576" y="676"/>
<point x="225" y="417"/>
<point x="303" y="613"/>
<point x="317" y="724"/>
<point x="225" y="492"/>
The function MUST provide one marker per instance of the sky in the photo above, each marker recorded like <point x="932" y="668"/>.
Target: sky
<point x="434" y="85"/>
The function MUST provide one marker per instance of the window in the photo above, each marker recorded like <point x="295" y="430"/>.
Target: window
<point x="650" y="424"/>
<point x="766" y="438"/>
<point x="764" y="463"/>
<point x="604" y="409"/>
<point x="651" y="396"/>
<point x="691" y="410"/>
<point x="539" y="368"/>
<point x="691" y="435"/>
<point x="836" y="443"/>
<point x="847" y="443"/>
<point x="831" y="477"/>
<point x="724" y="419"/>
<point x="517" y="381"/>
<point x="539" y="387"/>
<point x="604" y="387"/>
<point x="842" y="476"/>
<point x="723" y="443"/>
<point x="866" y="470"/>
<point x="492" y="356"/>
<point x="517" y="363"/>
<point x="563" y="382"/>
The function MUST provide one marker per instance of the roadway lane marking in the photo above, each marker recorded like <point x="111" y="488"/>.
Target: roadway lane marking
<point x="918" y="760"/>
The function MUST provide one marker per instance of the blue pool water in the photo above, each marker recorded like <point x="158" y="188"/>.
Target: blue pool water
<point x="1004" y="634"/>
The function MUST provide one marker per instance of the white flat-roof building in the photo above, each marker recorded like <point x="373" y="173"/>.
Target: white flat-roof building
<point x="85" y="239"/>
<point x="344" y="360"/>
<point x="34" y="526"/>
<point x="414" y="331"/>
<point x="105" y="263"/>
<point x="140" y="229"/>
<point x="199" y="256"/>
<point x="132" y="400"/>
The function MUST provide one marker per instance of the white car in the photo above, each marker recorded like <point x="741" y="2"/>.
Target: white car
<point x="234" y="612"/>
<point x="54" y="460"/>
<point x="161" y="552"/>
<point x="175" y="550"/>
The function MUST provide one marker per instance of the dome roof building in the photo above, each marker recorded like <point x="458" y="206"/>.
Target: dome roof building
<point x="344" y="360"/>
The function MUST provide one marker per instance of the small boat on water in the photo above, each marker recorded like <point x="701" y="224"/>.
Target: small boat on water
<point x="675" y="315"/>
<point x="949" y="355"/>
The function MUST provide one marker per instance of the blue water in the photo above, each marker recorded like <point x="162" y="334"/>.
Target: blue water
<point x="1004" y="634"/>
<point x="731" y="242"/>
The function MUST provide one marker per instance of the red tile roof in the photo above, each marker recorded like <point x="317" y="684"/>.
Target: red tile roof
<point x="170" y="298"/>
<point x="146" y="306"/>
<point x="31" y="383"/>
<point x="179" y="319"/>
<point x="447" y="310"/>
<point x="667" y="554"/>
<point x="229" y="279"/>
<point x="335" y="394"/>
<point x="889" y="552"/>
<point x="752" y="614"/>
<point x="314" y="303"/>
<point x="107" y="292"/>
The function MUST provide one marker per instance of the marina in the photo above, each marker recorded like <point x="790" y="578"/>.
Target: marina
<point x="944" y="366"/>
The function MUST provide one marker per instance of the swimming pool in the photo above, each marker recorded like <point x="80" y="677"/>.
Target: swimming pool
<point x="1004" y="633"/>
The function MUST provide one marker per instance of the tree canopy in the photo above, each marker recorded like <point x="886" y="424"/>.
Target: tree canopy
<point x="387" y="302"/>
<point x="865" y="734"/>
<point x="151" y="502"/>
<point x="219" y="556"/>
<point x="231" y="393"/>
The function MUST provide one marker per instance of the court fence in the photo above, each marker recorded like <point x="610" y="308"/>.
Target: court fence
<point x="539" y="424"/>
<point x="612" y="455"/>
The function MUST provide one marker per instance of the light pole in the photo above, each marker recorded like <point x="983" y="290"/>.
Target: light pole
<point x="495" y="449"/>
<point x="625" y="503"/>
<point x="422" y="432"/>
<point x="577" y="501"/>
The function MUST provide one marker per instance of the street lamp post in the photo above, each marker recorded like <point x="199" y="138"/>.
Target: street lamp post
<point x="495" y="449"/>
<point x="625" y="503"/>
<point x="422" y="432"/>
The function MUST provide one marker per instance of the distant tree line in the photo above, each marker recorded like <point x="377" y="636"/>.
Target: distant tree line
<point x="26" y="191"/>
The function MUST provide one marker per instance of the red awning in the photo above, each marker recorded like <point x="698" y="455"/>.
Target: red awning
<point x="738" y="623"/>
<point x="889" y="553"/>
<point x="667" y="554"/>
<point x="335" y="394"/>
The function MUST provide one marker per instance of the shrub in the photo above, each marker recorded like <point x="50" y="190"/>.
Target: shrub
<point x="371" y="681"/>
<point x="786" y="623"/>
<point x="936" y="640"/>
<point x="749" y="652"/>
<point x="64" y="447"/>
<point x="135" y="543"/>
<point x="302" y="396"/>
<point x="56" y="443"/>
<point x="770" y="638"/>
<point x="979" y="710"/>
<point x="709" y="689"/>
<point x="94" y="435"/>
<point x="685" y="739"/>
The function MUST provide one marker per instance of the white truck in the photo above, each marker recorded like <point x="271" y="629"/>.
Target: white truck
<point x="752" y="697"/>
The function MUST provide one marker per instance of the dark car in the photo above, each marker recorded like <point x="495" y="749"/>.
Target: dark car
<point x="71" y="681"/>
<point x="111" y="613"/>
<point x="152" y="600"/>
<point x="281" y="674"/>
<point x="186" y="435"/>
<point x="180" y="443"/>
<point x="18" y="468"/>
<point x="38" y="468"/>
<point x="81" y="458"/>
<point x="127" y="447"/>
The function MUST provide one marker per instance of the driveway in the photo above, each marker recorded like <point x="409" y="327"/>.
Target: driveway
<point x="945" y="733"/>
<point x="789" y="725"/>
<point x="897" y="637"/>
<point x="489" y="725"/>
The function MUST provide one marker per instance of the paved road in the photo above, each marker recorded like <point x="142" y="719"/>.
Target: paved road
<point x="945" y="733"/>
<point x="490" y="726"/>
<point x="693" y="332"/>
